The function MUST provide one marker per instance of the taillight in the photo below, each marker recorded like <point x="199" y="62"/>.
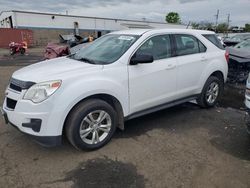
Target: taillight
<point x="227" y="56"/>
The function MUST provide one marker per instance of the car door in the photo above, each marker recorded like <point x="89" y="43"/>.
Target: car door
<point x="192" y="61"/>
<point x="153" y="83"/>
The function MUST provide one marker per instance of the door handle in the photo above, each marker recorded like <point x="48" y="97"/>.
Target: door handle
<point x="203" y="58"/>
<point x="170" y="66"/>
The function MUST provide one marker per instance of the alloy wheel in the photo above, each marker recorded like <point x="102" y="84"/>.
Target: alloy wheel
<point x="95" y="127"/>
<point x="212" y="92"/>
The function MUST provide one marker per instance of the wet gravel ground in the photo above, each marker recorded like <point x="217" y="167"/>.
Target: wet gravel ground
<point x="20" y="60"/>
<point x="183" y="146"/>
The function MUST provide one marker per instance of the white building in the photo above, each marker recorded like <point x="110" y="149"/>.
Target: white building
<point x="70" y="24"/>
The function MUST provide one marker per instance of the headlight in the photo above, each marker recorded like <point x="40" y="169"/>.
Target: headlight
<point x="41" y="91"/>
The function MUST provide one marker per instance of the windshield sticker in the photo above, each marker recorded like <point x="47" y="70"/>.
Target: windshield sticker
<point x="124" y="37"/>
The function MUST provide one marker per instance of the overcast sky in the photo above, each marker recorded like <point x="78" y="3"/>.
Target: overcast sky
<point x="152" y="10"/>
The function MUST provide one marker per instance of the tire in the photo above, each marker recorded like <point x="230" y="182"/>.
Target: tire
<point x="22" y="51"/>
<point x="209" y="95"/>
<point x="83" y="129"/>
<point x="12" y="52"/>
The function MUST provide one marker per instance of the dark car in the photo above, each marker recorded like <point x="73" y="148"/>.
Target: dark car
<point x="239" y="61"/>
<point x="232" y="41"/>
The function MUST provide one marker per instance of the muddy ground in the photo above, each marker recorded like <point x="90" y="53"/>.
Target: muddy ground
<point x="183" y="146"/>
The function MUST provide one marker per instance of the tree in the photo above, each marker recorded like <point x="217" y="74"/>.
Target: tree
<point x="222" y="27"/>
<point x="209" y="26"/>
<point x="204" y="25"/>
<point x="247" y="27"/>
<point x="195" y="25"/>
<point x="173" y="17"/>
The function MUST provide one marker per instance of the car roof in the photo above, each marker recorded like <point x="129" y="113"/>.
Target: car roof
<point x="131" y="32"/>
<point x="152" y="31"/>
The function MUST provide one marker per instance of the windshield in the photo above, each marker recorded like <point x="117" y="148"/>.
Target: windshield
<point x="244" y="44"/>
<point x="106" y="49"/>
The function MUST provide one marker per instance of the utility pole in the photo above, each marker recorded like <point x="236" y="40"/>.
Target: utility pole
<point x="228" y="22"/>
<point x="216" y="19"/>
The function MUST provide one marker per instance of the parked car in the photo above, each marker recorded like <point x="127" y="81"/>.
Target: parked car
<point x="78" y="47"/>
<point x="221" y="40"/>
<point x="247" y="103"/>
<point x="120" y="76"/>
<point x="239" y="61"/>
<point x="53" y="50"/>
<point x="232" y="41"/>
<point x="73" y="40"/>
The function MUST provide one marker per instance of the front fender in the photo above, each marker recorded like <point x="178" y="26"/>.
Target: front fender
<point x="77" y="91"/>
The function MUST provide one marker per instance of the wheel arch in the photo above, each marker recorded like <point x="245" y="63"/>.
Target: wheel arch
<point x="111" y="100"/>
<point x="219" y="75"/>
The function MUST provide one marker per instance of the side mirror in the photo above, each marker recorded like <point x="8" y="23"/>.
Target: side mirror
<point x="141" y="58"/>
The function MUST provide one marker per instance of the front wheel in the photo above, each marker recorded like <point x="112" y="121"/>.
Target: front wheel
<point x="211" y="92"/>
<point x="91" y="124"/>
<point x="12" y="51"/>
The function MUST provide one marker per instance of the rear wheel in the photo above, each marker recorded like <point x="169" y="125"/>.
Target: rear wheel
<point x="211" y="92"/>
<point x="91" y="124"/>
<point x="22" y="51"/>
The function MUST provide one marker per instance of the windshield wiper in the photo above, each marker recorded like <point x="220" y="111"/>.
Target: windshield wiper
<point x="71" y="55"/>
<point x="87" y="60"/>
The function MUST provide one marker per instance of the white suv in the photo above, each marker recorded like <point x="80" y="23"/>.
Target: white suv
<point x="120" y="76"/>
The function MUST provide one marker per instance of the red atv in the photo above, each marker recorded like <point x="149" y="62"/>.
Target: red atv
<point x="18" y="48"/>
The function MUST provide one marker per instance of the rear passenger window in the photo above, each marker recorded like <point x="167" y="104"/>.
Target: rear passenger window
<point x="202" y="47"/>
<point x="159" y="47"/>
<point x="187" y="44"/>
<point x="214" y="39"/>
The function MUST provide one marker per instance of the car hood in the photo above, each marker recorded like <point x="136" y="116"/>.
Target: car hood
<point x="55" y="69"/>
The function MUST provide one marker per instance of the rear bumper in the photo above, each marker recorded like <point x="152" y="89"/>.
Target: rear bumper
<point x="47" y="141"/>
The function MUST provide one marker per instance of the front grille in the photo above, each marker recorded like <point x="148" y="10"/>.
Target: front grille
<point x="11" y="104"/>
<point x="15" y="87"/>
<point x="19" y="85"/>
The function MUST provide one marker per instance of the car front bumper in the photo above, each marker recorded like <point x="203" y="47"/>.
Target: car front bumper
<point x="47" y="141"/>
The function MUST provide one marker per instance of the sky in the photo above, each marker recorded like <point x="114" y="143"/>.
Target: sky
<point x="151" y="10"/>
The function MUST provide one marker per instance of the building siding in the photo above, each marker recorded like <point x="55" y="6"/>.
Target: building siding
<point x="15" y="35"/>
<point x="46" y="27"/>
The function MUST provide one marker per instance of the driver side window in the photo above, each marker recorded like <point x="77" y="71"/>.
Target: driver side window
<point x="158" y="46"/>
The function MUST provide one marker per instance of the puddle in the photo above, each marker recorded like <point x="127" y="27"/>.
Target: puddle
<point x="105" y="173"/>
